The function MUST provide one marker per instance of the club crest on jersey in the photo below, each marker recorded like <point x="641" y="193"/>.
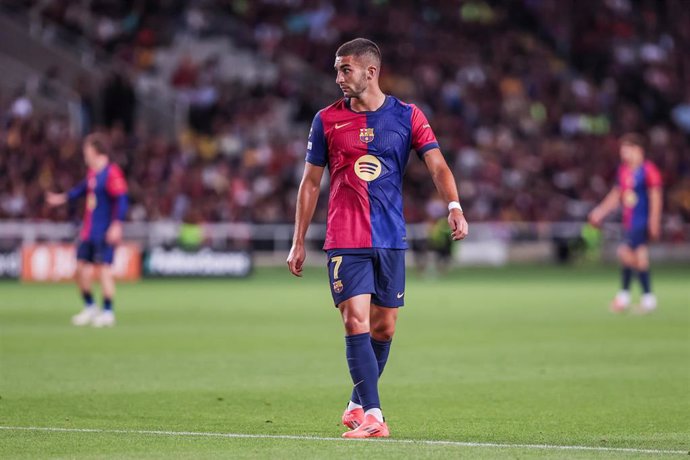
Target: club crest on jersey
<point x="337" y="286"/>
<point x="368" y="167"/>
<point x="366" y="135"/>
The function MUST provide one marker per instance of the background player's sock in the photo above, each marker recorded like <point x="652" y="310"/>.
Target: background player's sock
<point x="381" y="350"/>
<point x="364" y="369"/>
<point x="88" y="299"/>
<point x="626" y="276"/>
<point x="107" y="304"/>
<point x="645" y="281"/>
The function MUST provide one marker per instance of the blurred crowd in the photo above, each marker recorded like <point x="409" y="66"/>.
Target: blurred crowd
<point x="527" y="98"/>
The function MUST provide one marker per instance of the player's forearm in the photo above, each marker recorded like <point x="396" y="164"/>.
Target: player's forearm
<point x="445" y="183"/>
<point x="655" y="205"/>
<point x="307" y="198"/>
<point x="610" y="203"/>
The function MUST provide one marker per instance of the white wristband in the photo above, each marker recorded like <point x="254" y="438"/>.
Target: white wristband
<point x="454" y="205"/>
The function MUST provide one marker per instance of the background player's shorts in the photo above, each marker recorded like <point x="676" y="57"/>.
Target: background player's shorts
<point x="379" y="272"/>
<point x="636" y="236"/>
<point x="96" y="252"/>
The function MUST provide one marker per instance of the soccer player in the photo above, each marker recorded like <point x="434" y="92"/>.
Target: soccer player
<point x="105" y="190"/>
<point x="639" y="191"/>
<point x="365" y="140"/>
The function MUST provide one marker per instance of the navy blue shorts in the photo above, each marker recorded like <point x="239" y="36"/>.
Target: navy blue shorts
<point x="635" y="237"/>
<point x="95" y="252"/>
<point x="379" y="272"/>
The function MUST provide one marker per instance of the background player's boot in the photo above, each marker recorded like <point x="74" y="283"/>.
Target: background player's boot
<point x="84" y="317"/>
<point x="621" y="302"/>
<point x="353" y="418"/>
<point x="105" y="318"/>
<point x="647" y="304"/>
<point x="371" y="428"/>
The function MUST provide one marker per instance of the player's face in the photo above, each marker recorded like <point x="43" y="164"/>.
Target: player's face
<point x="351" y="75"/>
<point x="631" y="154"/>
<point x="90" y="155"/>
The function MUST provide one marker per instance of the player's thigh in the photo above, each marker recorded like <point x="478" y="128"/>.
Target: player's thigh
<point x="382" y="322"/>
<point x="350" y="273"/>
<point x="355" y="313"/>
<point x="389" y="278"/>
<point x="626" y="255"/>
<point x="642" y="257"/>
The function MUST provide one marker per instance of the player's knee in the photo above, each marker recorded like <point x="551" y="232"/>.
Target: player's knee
<point x="354" y="325"/>
<point x="625" y="256"/>
<point x="383" y="332"/>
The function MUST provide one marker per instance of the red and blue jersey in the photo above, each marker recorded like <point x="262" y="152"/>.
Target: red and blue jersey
<point x="106" y="200"/>
<point x="634" y="186"/>
<point x="366" y="154"/>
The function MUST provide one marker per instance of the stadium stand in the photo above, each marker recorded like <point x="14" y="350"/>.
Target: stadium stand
<point x="527" y="108"/>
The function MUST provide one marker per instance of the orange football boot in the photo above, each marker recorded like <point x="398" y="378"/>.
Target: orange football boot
<point x="370" y="428"/>
<point x="353" y="418"/>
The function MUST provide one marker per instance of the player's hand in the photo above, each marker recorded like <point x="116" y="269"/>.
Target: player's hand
<point x="458" y="224"/>
<point x="654" y="231"/>
<point x="56" y="199"/>
<point x="114" y="234"/>
<point x="296" y="258"/>
<point x="595" y="218"/>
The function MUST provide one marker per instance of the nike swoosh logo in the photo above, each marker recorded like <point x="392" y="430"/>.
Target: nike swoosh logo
<point x="426" y="126"/>
<point x="400" y="296"/>
<point x="358" y="383"/>
<point x="337" y="126"/>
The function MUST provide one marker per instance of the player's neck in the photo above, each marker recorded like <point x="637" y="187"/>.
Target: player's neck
<point x="100" y="166"/>
<point x="635" y="164"/>
<point x="368" y="101"/>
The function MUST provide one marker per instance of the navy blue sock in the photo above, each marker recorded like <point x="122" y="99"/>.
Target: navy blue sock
<point x="88" y="298"/>
<point x="381" y="350"/>
<point x="364" y="369"/>
<point x="645" y="281"/>
<point x="626" y="277"/>
<point x="107" y="303"/>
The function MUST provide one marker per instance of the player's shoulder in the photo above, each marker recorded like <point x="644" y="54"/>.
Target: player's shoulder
<point x="336" y="107"/>
<point x="649" y="165"/>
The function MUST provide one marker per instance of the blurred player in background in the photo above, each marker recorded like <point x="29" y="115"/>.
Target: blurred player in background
<point x="105" y="190"/>
<point x="365" y="139"/>
<point x="639" y="191"/>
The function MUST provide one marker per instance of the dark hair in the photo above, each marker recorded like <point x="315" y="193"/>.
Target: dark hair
<point x="99" y="142"/>
<point x="359" y="47"/>
<point x="634" y="139"/>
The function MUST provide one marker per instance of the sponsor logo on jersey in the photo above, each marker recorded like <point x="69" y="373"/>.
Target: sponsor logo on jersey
<point x="630" y="198"/>
<point x="91" y="201"/>
<point x="366" y="135"/>
<point x="368" y="167"/>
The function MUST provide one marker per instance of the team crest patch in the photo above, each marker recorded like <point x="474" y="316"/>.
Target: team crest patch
<point x="337" y="286"/>
<point x="366" y="135"/>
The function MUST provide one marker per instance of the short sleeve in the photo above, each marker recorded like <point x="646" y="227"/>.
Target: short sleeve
<point x="423" y="137"/>
<point x="652" y="175"/>
<point x="317" y="150"/>
<point x="116" y="184"/>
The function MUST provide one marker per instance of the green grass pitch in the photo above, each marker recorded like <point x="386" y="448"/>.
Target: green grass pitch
<point x="510" y="356"/>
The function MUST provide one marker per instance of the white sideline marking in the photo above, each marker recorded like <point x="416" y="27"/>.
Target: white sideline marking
<point x="318" y="438"/>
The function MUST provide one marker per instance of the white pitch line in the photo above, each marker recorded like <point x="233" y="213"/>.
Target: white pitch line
<point x="318" y="438"/>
